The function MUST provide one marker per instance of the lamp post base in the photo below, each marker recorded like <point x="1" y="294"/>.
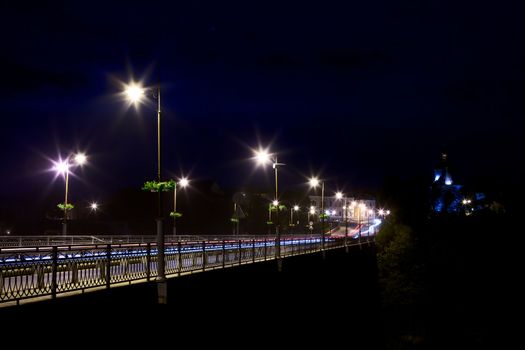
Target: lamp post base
<point x="162" y="291"/>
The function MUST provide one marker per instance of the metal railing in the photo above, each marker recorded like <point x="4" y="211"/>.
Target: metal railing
<point x="29" y="272"/>
<point x="37" y="241"/>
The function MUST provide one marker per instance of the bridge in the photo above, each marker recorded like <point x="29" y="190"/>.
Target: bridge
<point x="39" y="268"/>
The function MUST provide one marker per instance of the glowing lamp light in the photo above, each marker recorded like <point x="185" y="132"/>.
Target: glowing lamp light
<point x="338" y="195"/>
<point x="94" y="206"/>
<point x="61" y="167"/>
<point x="134" y="92"/>
<point x="312" y="211"/>
<point x="333" y="212"/>
<point x="296" y="208"/>
<point x="184" y="182"/>
<point x="262" y="157"/>
<point x="314" y="182"/>
<point x="80" y="158"/>
<point x="275" y="203"/>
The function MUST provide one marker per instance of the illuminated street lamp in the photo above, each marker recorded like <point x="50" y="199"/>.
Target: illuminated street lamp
<point x="263" y="157"/>
<point x="93" y="206"/>
<point x="136" y="94"/>
<point x="311" y="212"/>
<point x="340" y="195"/>
<point x="295" y="208"/>
<point x="62" y="168"/>
<point x="370" y="212"/>
<point x="362" y="207"/>
<point x="183" y="182"/>
<point x="314" y="182"/>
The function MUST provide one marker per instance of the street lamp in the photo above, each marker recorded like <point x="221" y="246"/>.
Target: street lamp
<point x="136" y="94"/>
<point x="314" y="182"/>
<point x="339" y="195"/>
<point x="62" y="168"/>
<point x="183" y="182"/>
<point x="295" y="208"/>
<point x="263" y="157"/>
<point x="312" y="213"/>
<point x="370" y="212"/>
<point x="362" y="207"/>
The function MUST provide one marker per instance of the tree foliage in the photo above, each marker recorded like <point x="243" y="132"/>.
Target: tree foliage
<point x="155" y="186"/>
<point x="400" y="272"/>
<point x="65" y="207"/>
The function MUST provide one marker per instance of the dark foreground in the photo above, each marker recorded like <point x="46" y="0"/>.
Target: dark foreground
<point x="312" y="301"/>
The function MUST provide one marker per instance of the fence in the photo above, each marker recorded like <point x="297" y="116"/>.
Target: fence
<point x="29" y="272"/>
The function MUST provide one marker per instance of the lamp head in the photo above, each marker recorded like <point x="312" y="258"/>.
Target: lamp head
<point x="262" y="157"/>
<point x="80" y="158"/>
<point x="184" y="182"/>
<point x="314" y="182"/>
<point x="134" y="92"/>
<point x="61" y="167"/>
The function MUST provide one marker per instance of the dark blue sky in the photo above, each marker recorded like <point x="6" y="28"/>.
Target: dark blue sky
<point x="358" y="91"/>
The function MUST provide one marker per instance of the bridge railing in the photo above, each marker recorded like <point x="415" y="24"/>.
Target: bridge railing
<point x="28" y="272"/>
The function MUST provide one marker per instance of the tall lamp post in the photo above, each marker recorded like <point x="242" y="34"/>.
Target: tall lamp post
<point x="263" y="157"/>
<point x="339" y="195"/>
<point x="136" y="94"/>
<point x="295" y="208"/>
<point x="369" y="213"/>
<point x="62" y="167"/>
<point x="311" y="212"/>
<point x="183" y="182"/>
<point x="314" y="182"/>
<point x="362" y="207"/>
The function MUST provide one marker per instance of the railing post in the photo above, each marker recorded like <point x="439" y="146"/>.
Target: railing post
<point x="74" y="272"/>
<point x="108" y="265"/>
<point x="240" y="252"/>
<point x="223" y="253"/>
<point x="39" y="277"/>
<point x="179" y="248"/>
<point x="253" y="250"/>
<point x="265" y="241"/>
<point x="292" y="245"/>
<point x="54" y="268"/>
<point x="203" y="255"/>
<point x="148" y="261"/>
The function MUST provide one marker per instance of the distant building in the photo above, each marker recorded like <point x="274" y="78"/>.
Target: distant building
<point x="356" y="210"/>
<point x="446" y="197"/>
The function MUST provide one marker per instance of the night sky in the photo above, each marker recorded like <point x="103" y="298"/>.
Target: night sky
<point x="351" y="91"/>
